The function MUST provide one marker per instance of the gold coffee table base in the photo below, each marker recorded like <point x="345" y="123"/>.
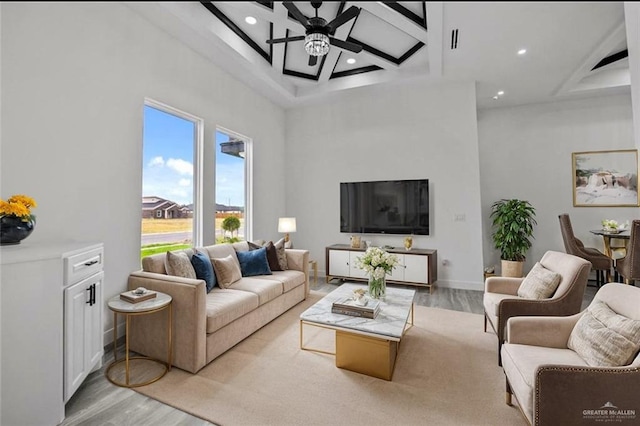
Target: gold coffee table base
<point x="165" y="369"/>
<point x="366" y="355"/>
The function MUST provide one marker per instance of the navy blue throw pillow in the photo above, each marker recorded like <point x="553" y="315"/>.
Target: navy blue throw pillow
<point x="204" y="269"/>
<point x="254" y="262"/>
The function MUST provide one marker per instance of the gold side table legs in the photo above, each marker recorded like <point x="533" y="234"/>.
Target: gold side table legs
<point x="166" y="366"/>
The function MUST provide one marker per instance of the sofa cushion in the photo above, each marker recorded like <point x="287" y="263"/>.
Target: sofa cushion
<point x="178" y="264"/>
<point x="265" y="289"/>
<point x="225" y="306"/>
<point x="491" y="301"/>
<point x="227" y="270"/>
<point x="521" y="363"/>
<point x="290" y="278"/>
<point x="204" y="269"/>
<point x="282" y="255"/>
<point x="272" y="255"/>
<point x="540" y="283"/>
<point x="253" y="262"/>
<point x="604" y="338"/>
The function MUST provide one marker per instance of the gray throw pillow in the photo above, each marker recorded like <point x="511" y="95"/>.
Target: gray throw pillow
<point x="282" y="255"/>
<point x="227" y="270"/>
<point x="604" y="338"/>
<point x="178" y="264"/>
<point x="540" y="283"/>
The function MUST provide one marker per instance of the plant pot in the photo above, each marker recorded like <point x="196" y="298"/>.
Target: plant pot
<point x="13" y="229"/>
<point x="512" y="269"/>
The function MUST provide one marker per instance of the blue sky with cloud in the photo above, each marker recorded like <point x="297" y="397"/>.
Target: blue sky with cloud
<point x="168" y="157"/>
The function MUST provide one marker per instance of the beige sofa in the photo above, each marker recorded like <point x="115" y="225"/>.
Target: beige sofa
<point x="205" y="325"/>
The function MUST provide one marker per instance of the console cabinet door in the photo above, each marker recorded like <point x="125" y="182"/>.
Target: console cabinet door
<point x="397" y="274"/>
<point x="416" y="268"/>
<point x="339" y="263"/>
<point x="354" y="271"/>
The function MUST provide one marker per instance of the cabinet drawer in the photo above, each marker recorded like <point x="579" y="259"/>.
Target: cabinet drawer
<point x="82" y="265"/>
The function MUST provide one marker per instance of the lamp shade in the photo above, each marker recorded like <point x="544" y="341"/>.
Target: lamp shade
<point x="287" y="224"/>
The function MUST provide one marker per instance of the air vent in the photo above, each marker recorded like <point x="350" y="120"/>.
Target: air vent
<point x="454" y="39"/>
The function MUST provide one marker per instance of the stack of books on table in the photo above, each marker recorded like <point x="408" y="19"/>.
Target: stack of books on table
<point x="348" y="306"/>
<point x="132" y="297"/>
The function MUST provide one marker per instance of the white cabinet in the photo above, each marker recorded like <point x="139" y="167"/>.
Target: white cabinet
<point x="416" y="268"/>
<point x="343" y="264"/>
<point x="32" y="355"/>
<point x="83" y="347"/>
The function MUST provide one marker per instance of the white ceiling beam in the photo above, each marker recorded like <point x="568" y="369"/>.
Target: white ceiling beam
<point x="334" y="53"/>
<point x="394" y="18"/>
<point x="279" y="31"/>
<point x="435" y="46"/>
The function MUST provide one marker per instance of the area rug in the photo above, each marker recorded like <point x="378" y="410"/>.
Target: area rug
<point x="446" y="374"/>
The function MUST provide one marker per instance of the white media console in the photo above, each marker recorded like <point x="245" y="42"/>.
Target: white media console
<point x="417" y="267"/>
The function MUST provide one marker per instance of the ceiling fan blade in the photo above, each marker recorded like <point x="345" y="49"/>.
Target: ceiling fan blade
<point x="293" y="9"/>
<point x="285" y="39"/>
<point x="345" y="16"/>
<point x="355" y="48"/>
<point x="313" y="60"/>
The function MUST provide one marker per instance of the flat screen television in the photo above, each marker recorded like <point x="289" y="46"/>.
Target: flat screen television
<point x="385" y="207"/>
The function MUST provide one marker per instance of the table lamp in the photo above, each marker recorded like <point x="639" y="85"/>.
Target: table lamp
<point x="286" y="225"/>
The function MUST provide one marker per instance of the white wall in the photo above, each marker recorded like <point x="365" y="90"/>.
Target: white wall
<point x="525" y="153"/>
<point x="401" y="131"/>
<point x="74" y="79"/>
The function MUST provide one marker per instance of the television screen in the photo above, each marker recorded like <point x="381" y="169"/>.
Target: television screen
<point x="385" y="207"/>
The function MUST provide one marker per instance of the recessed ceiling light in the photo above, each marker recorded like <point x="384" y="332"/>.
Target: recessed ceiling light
<point x="500" y="93"/>
<point x="522" y="51"/>
<point x="495" y="97"/>
<point x="250" y="20"/>
<point x="351" y="61"/>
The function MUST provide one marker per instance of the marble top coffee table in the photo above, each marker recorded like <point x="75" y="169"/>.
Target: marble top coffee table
<point x="367" y="346"/>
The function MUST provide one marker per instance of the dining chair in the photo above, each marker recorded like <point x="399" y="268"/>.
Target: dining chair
<point x="629" y="266"/>
<point x="600" y="262"/>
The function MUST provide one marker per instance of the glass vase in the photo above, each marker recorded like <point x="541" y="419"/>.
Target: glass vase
<point x="377" y="287"/>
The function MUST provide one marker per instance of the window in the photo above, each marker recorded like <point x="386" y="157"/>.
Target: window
<point x="172" y="147"/>
<point x="232" y="191"/>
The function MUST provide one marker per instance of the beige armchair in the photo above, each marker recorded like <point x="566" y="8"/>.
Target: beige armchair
<point x="501" y="300"/>
<point x="554" y="385"/>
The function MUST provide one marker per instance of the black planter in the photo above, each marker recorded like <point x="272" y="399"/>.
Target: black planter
<point x="13" y="229"/>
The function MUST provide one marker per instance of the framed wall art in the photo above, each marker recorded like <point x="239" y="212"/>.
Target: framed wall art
<point x="605" y="178"/>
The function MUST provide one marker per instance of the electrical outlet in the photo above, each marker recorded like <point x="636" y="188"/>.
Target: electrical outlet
<point x="459" y="217"/>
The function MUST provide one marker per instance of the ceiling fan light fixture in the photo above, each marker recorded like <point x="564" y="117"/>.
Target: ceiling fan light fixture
<point x="316" y="44"/>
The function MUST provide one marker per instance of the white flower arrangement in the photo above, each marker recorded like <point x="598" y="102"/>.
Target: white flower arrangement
<point x="376" y="262"/>
<point x="609" y="225"/>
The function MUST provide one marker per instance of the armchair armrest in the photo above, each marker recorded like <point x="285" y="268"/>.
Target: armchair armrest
<point x="528" y="307"/>
<point x="189" y="320"/>
<point x="299" y="260"/>
<point x="576" y="395"/>
<point x="502" y="285"/>
<point x="550" y="332"/>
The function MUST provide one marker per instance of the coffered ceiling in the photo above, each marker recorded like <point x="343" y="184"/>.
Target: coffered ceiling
<point x="572" y="48"/>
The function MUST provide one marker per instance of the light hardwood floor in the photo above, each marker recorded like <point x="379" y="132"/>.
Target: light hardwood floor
<point x="98" y="402"/>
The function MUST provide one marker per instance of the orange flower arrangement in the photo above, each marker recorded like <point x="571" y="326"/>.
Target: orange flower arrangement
<point x="18" y="205"/>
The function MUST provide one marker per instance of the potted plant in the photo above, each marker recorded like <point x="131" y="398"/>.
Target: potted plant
<point x="513" y="221"/>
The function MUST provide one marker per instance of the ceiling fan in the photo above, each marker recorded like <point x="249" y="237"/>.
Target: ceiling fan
<point x="318" y="32"/>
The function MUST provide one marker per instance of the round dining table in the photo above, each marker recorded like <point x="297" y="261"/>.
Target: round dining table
<point x="607" y="236"/>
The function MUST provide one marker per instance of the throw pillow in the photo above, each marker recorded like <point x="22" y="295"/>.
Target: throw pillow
<point x="227" y="270"/>
<point x="282" y="255"/>
<point x="604" y="338"/>
<point x="540" y="283"/>
<point x="254" y="262"/>
<point x="204" y="269"/>
<point x="179" y="265"/>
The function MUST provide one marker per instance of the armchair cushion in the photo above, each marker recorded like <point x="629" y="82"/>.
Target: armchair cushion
<point x="540" y="283"/>
<point x="605" y="339"/>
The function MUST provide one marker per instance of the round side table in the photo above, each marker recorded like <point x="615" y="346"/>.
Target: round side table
<point x="159" y="303"/>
